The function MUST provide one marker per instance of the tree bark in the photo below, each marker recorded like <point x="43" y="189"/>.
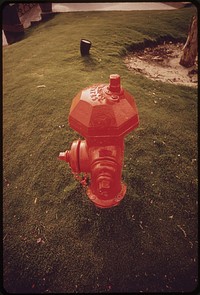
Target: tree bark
<point x="190" y="48"/>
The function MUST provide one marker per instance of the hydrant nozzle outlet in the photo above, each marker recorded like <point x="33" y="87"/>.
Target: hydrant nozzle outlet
<point x="65" y="156"/>
<point x="103" y="114"/>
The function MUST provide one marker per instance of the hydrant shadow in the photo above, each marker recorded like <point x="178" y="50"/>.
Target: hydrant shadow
<point x="118" y="224"/>
<point x="115" y="225"/>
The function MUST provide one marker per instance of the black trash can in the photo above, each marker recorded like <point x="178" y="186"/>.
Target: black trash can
<point x="85" y="46"/>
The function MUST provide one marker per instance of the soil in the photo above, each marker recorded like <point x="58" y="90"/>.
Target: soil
<point x="162" y="63"/>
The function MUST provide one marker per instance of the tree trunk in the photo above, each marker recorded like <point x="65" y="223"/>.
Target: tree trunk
<point x="190" y="48"/>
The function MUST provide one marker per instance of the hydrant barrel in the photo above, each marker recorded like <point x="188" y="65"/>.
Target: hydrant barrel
<point x="103" y="114"/>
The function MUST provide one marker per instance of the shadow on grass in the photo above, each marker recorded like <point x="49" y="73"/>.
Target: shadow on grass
<point x="88" y="62"/>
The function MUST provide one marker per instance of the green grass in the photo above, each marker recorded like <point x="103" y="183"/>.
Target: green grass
<point x="148" y="242"/>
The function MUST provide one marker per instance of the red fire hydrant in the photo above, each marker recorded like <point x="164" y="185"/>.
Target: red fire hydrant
<point x="103" y="114"/>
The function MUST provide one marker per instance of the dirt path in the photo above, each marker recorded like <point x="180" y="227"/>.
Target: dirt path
<point x="162" y="63"/>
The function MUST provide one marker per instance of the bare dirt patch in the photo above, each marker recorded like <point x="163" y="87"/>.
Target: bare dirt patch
<point x="161" y="63"/>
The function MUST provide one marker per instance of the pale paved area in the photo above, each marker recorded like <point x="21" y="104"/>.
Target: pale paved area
<point x="66" y="7"/>
<point x="34" y="14"/>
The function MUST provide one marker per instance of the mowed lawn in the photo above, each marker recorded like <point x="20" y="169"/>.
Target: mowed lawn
<point x="54" y="239"/>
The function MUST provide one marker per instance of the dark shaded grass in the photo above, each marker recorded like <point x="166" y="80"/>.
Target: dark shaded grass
<point x="149" y="242"/>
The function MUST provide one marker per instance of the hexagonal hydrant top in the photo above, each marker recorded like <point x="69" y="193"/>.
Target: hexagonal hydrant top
<point x="103" y="114"/>
<point x="102" y="110"/>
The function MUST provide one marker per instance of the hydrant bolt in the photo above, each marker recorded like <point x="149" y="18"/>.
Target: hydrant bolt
<point x="104" y="184"/>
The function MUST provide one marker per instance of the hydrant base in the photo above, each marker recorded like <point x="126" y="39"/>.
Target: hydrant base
<point x="107" y="203"/>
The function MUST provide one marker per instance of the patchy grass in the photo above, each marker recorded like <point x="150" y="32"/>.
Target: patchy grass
<point x="55" y="240"/>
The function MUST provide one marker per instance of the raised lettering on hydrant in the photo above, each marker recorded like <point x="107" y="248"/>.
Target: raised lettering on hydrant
<point x="103" y="114"/>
